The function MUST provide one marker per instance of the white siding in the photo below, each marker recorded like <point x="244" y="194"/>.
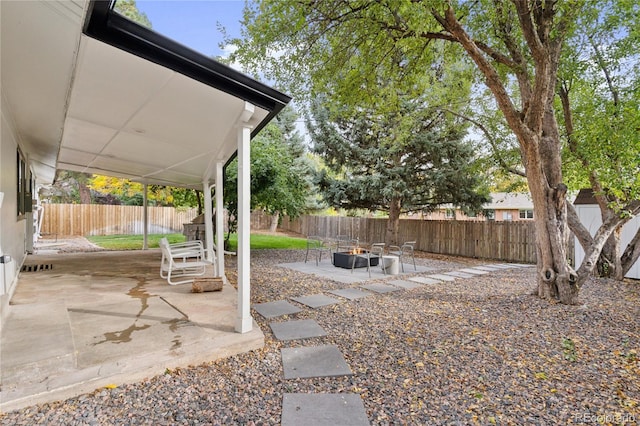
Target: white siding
<point x="12" y="230"/>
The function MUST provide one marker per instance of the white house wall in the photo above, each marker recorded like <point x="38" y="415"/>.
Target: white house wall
<point x="590" y="217"/>
<point x="12" y="230"/>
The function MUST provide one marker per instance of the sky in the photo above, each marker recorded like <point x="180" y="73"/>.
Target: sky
<point x="194" y="23"/>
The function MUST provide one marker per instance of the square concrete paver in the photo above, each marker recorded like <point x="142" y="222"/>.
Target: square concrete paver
<point x="316" y="300"/>
<point x="300" y="329"/>
<point x="350" y="293"/>
<point x="442" y="277"/>
<point x="380" y="288"/>
<point x="487" y="268"/>
<point x="459" y="274"/>
<point x="405" y="284"/>
<point x="474" y="271"/>
<point x="323" y="409"/>
<point x="275" y="309"/>
<point x="314" y="361"/>
<point x="425" y="280"/>
<point x="502" y="266"/>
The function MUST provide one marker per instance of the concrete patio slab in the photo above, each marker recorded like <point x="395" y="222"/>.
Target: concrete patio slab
<point x="474" y="271"/>
<point x="442" y="277"/>
<point x="459" y="274"/>
<point x="326" y="270"/>
<point x="425" y="280"/>
<point x="408" y="285"/>
<point x="380" y="288"/>
<point x="501" y="266"/>
<point x="87" y="323"/>
<point x="275" y="309"/>
<point x="297" y="329"/>
<point x="316" y="300"/>
<point x="323" y="409"/>
<point x="350" y="293"/>
<point x="314" y="361"/>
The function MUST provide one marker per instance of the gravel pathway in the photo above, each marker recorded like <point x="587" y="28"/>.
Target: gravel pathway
<point x="480" y="350"/>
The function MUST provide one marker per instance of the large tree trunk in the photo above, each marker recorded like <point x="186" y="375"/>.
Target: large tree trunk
<point x="631" y="254"/>
<point x="609" y="262"/>
<point x="393" y="223"/>
<point x="84" y="192"/>
<point x="556" y="279"/>
<point x="275" y="218"/>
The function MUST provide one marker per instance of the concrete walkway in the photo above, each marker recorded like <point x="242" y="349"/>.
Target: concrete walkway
<point x="327" y="360"/>
<point x="78" y="322"/>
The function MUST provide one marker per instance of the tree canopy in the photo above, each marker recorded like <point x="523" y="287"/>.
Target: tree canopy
<point x="280" y="175"/>
<point x="412" y="160"/>
<point x="516" y="48"/>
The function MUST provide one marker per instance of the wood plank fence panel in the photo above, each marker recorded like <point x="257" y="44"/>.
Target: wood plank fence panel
<point x="98" y="219"/>
<point x="505" y="241"/>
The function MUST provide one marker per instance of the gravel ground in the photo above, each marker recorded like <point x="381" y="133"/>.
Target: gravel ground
<point x="476" y="351"/>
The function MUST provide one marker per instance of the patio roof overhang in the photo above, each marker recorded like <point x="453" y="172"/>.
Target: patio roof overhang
<point x="90" y="91"/>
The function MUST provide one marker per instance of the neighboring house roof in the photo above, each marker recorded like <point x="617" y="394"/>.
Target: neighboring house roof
<point x="585" y="197"/>
<point x="506" y="200"/>
<point x="93" y="92"/>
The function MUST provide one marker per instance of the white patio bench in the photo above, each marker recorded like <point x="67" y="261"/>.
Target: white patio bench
<point x="181" y="260"/>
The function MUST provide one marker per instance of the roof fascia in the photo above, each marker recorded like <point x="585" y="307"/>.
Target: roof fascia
<point x="103" y="24"/>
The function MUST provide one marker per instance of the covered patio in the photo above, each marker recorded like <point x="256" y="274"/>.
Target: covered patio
<point x="82" y="321"/>
<point x="86" y="89"/>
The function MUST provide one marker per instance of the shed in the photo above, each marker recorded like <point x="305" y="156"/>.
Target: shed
<point x="589" y="214"/>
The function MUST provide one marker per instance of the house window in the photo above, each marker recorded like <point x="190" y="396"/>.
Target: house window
<point x="24" y="185"/>
<point x="449" y="214"/>
<point x="490" y="214"/>
<point x="526" y="214"/>
<point x="507" y="216"/>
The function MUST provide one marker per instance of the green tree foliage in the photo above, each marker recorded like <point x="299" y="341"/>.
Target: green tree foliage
<point x="129" y="9"/>
<point x="413" y="160"/>
<point x="599" y="106"/>
<point x="280" y="174"/>
<point x="351" y="48"/>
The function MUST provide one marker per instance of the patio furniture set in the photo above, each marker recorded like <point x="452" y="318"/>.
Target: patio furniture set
<point x="350" y="253"/>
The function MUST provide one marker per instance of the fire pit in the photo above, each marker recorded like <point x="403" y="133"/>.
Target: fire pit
<point x="345" y="259"/>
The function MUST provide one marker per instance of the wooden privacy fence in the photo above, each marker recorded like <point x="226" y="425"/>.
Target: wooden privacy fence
<point x="99" y="219"/>
<point x="506" y="241"/>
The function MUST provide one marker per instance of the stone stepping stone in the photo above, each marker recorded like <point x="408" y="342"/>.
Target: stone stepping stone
<point x="314" y="361"/>
<point x="519" y="265"/>
<point x="487" y="268"/>
<point x="350" y="293"/>
<point x="323" y="409"/>
<point x="297" y="329"/>
<point x="459" y="274"/>
<point x="502" y="266"/>
<point x="425" y="280"/>
<point x="316" y="300"/>
<point x="275" y="309"/>
<point x="442" y="277"/>
<point x="474" y="271"/>
<point x="380" y="288"/>
<point x="405" y="284"/>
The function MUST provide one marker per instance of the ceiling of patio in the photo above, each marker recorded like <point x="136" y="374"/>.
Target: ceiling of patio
<point x="80" y="104"/>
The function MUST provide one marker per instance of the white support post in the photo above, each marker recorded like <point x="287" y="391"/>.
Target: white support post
<point x="220" y="218"/>
<point x="208" y="223"/>
<point x="244" y="321"/>
<point x="145" y="220"/>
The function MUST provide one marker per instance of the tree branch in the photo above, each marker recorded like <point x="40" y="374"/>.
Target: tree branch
<point x="492" y="142"/>
<point x="631" y="254"/>
<point x="493" y="81"/>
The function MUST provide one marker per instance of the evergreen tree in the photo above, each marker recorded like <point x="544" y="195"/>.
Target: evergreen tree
<point x="414" y="160"/>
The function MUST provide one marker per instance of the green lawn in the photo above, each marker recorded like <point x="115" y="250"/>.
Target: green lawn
<point x="134" y="242"/>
